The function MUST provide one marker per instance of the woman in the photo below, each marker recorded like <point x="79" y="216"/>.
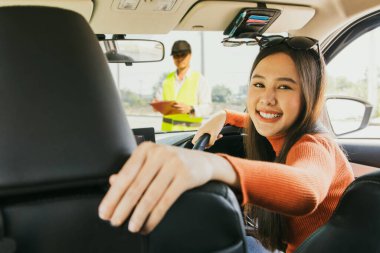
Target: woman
<point x="293" y="177"/>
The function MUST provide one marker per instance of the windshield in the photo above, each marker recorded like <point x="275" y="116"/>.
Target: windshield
<point x="225" y="70"/>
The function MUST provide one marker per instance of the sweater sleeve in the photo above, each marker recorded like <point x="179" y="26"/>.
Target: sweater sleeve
<point x="295" y="188"/>
<point x="238" y="119"/>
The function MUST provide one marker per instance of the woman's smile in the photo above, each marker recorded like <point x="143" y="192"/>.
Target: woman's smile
<point x="268" y="116"/>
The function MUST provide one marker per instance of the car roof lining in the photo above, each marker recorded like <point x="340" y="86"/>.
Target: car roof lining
<point x="291" y="17"/>
<point x="83" y="7"/>
<point x="148" y="19"/>
<point x="314" y="18"/>
<point x="189" y="15"/>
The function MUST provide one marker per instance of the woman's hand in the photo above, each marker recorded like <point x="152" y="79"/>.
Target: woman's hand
<point x="153" y="179"/>
<point x="213" y="127"/>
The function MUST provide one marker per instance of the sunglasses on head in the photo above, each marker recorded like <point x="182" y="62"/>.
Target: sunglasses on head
<point x="297" y="43"/>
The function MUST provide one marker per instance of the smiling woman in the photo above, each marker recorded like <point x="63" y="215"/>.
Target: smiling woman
<point x="274" y="79"/>
<point x="295" y="80"/>
<point x="294" y="174"/>
<point x="64" y="130"/>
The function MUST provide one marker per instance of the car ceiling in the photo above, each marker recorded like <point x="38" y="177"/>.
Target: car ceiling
<point x="315" y="18"/>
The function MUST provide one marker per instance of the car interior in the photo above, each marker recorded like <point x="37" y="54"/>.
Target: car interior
<point x="64" y="130"/>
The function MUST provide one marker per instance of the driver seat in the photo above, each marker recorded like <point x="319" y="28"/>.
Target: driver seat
<point x="63" y="132"/>
<point x="355" y="223"/>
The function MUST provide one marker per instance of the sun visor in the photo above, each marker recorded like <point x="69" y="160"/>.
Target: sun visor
<point x="251" y="22"/>
<point x="198" y="18"/>
<point x="83" y="7"/>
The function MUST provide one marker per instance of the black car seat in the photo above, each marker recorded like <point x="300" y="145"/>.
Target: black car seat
<point x="63" y="132"/>
<point x="355" y="224"/>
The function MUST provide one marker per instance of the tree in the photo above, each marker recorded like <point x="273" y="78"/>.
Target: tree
<point x="341" y="85"/>
<point x="132" y="99"/>
<point x="220" y="94"/>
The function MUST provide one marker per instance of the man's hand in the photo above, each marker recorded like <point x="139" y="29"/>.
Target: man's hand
<point x="181" y="108"/>
<point x="154" y="101"/>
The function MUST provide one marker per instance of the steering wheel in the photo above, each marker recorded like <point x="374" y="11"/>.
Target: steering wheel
<point x="202" y="142"/>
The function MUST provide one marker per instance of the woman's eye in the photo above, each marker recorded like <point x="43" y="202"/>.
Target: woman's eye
<point x="284" y="87"/>
<point x="258" y="85"/>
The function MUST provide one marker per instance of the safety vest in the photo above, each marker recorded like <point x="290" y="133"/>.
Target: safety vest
<point x="187" y="94"/>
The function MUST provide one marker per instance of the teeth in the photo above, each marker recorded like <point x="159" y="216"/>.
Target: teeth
<point x="269" y="115"/>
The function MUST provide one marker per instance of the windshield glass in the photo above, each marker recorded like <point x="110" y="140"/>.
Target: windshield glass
<point x="225" y="70"/>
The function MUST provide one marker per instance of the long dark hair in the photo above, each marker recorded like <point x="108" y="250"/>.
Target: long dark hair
<point x="271" y="228"/>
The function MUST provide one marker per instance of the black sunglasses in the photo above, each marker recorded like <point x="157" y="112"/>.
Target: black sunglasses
<point x="297" y="42"/>
<point x="235" y="43"/>
<point x="180" y="54"/>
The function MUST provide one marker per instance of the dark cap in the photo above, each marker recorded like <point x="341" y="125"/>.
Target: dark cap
<point x="181" y="47"/>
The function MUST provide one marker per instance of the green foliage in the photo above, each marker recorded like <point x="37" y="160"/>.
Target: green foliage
<point x="132" y="99"/>
<point x="220" y="94"/>
<point x="342" y="86"/>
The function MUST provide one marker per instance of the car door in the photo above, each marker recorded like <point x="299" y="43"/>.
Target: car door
<point x="353" y="65"/>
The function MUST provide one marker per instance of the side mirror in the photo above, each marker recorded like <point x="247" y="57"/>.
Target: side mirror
<point x="132" y="50"/>
<point x="347" y="114"/>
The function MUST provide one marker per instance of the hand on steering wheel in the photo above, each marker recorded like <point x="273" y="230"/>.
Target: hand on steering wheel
<point x="202" y="142"/>
<point x="212" y="127"/>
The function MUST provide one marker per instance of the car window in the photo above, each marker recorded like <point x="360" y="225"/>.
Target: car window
<point x="226" y="70"/>
<point x="355" y="72"/>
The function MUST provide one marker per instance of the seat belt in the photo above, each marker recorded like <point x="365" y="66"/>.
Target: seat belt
<point x="7" y="245"/>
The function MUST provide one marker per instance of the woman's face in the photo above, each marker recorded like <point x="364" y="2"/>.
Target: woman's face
<point x="274" y="95"/>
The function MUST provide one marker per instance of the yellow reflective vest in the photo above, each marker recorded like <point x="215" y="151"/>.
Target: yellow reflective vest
<point x="187" y="94"/>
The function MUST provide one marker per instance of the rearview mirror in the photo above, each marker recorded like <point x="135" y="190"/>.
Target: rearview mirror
<point x="347" y="114"/>
<point x="132" y="50"/>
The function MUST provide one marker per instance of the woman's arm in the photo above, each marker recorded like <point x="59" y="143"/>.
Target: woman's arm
<point x="294" y="188"/>
<point x="216" y="123"/>
<point x="153" y="179"/>
<point x="238" y="119"/>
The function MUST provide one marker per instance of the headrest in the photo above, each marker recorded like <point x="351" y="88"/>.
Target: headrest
<point x="61" y="121"/>
<point x="360" y="203"/>
<point x="355" y="224"/>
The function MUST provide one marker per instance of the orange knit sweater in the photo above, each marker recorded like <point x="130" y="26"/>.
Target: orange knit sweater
<point x="306" y="189"/>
